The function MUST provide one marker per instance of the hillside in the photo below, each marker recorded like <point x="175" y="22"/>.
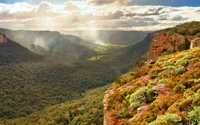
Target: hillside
<point x="165" y="90"/>
<point x="53" y="45"/>
<point x="29" y="82"/>
<point x="81" y="42"/>
<point x="127" y="56"/>
<point x="88" y="110"/>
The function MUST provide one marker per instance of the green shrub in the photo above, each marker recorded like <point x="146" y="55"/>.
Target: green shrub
<point x="153" y="73"/>
<point x="137" y="98"/>
<point x="141" y="60"/>
<point x="194" y="31"/>
<point x="194" y="116"/>
<point x="182" y="31"/>
<point x="167" y="119"/>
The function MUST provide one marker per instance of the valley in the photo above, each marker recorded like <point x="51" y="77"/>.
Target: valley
<point x="30" y="82"/>
<point x="99" y="62"/>
<point x="38" y="88"/>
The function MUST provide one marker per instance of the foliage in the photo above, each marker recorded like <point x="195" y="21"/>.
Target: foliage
<point x="161" y="92"/>
<point x="137" y="98"/>
<point x="29" y="82"/>
<point x="86" y="111"/>
<point x="141" y="61"/>
<point x="189" y="28"/>
<point x="167" y="119"/>
<point x="194" y="116"/>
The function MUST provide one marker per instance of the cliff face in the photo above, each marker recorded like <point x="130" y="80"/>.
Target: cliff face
<point x="165" y="43"/>
<point x="3" y="38"/>
<point x="195" y="42"/>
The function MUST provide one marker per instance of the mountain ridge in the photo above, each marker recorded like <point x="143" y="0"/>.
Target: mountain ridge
<point x="53" y="43"/>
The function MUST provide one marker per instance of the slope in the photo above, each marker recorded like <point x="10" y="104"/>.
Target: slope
<point x="125" y="58"/>
<point x="165" y="90"/>
<point x="88" y="110"/>
<point x="29" y="82"/>
<point x="52" y="45"/>
<point x="81" y="42"/>
<point x="11" y="52"/>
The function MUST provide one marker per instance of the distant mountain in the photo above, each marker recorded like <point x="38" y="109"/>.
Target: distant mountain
<point x="79" y="41"/>
<point x="109" y="36"/>
<point x="53" y="45"/>
<point x="12" y="52"/>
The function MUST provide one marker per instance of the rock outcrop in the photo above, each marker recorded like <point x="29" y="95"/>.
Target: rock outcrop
<point x="3" y="38"/>
<point x="165" y="43"/>
<point x="195" y="42"/>
<point x="107" y="117"/>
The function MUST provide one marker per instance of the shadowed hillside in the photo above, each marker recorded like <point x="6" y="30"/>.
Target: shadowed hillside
<point x="53" y="45"/>
<point x="29" y="82"/>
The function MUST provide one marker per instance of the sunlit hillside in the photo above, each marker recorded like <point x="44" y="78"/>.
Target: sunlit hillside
<point x="165" y="91"/>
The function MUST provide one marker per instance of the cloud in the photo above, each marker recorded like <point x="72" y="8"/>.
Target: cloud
<point x="106" y="15"/>
<point x="176" y="17"/>
<point x="43" y="7"/>
<point x="71" y="6"/>
<point x="103" y="2"/>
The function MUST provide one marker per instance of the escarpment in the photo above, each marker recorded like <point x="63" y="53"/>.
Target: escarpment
<point x="3" y="38"/>
<point x="166" y="90"/>
<point x="165" y="43"/>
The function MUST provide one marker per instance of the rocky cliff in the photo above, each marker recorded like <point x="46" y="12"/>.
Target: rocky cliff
<point x="195" y="42"/>
<point x="164" y="91"/>
<point x="179" y="38"/>
<point x="3" y="38"/>
<point x="165" y="43"/>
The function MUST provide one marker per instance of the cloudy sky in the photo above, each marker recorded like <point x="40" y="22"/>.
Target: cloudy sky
<point x="96" y="14"/>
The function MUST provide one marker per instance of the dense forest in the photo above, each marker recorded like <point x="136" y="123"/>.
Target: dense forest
<point x="86" y="111"/>
<point x="30" y="82"/>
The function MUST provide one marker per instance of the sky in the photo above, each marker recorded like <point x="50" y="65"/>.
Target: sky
<point x="96" y="14"/>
